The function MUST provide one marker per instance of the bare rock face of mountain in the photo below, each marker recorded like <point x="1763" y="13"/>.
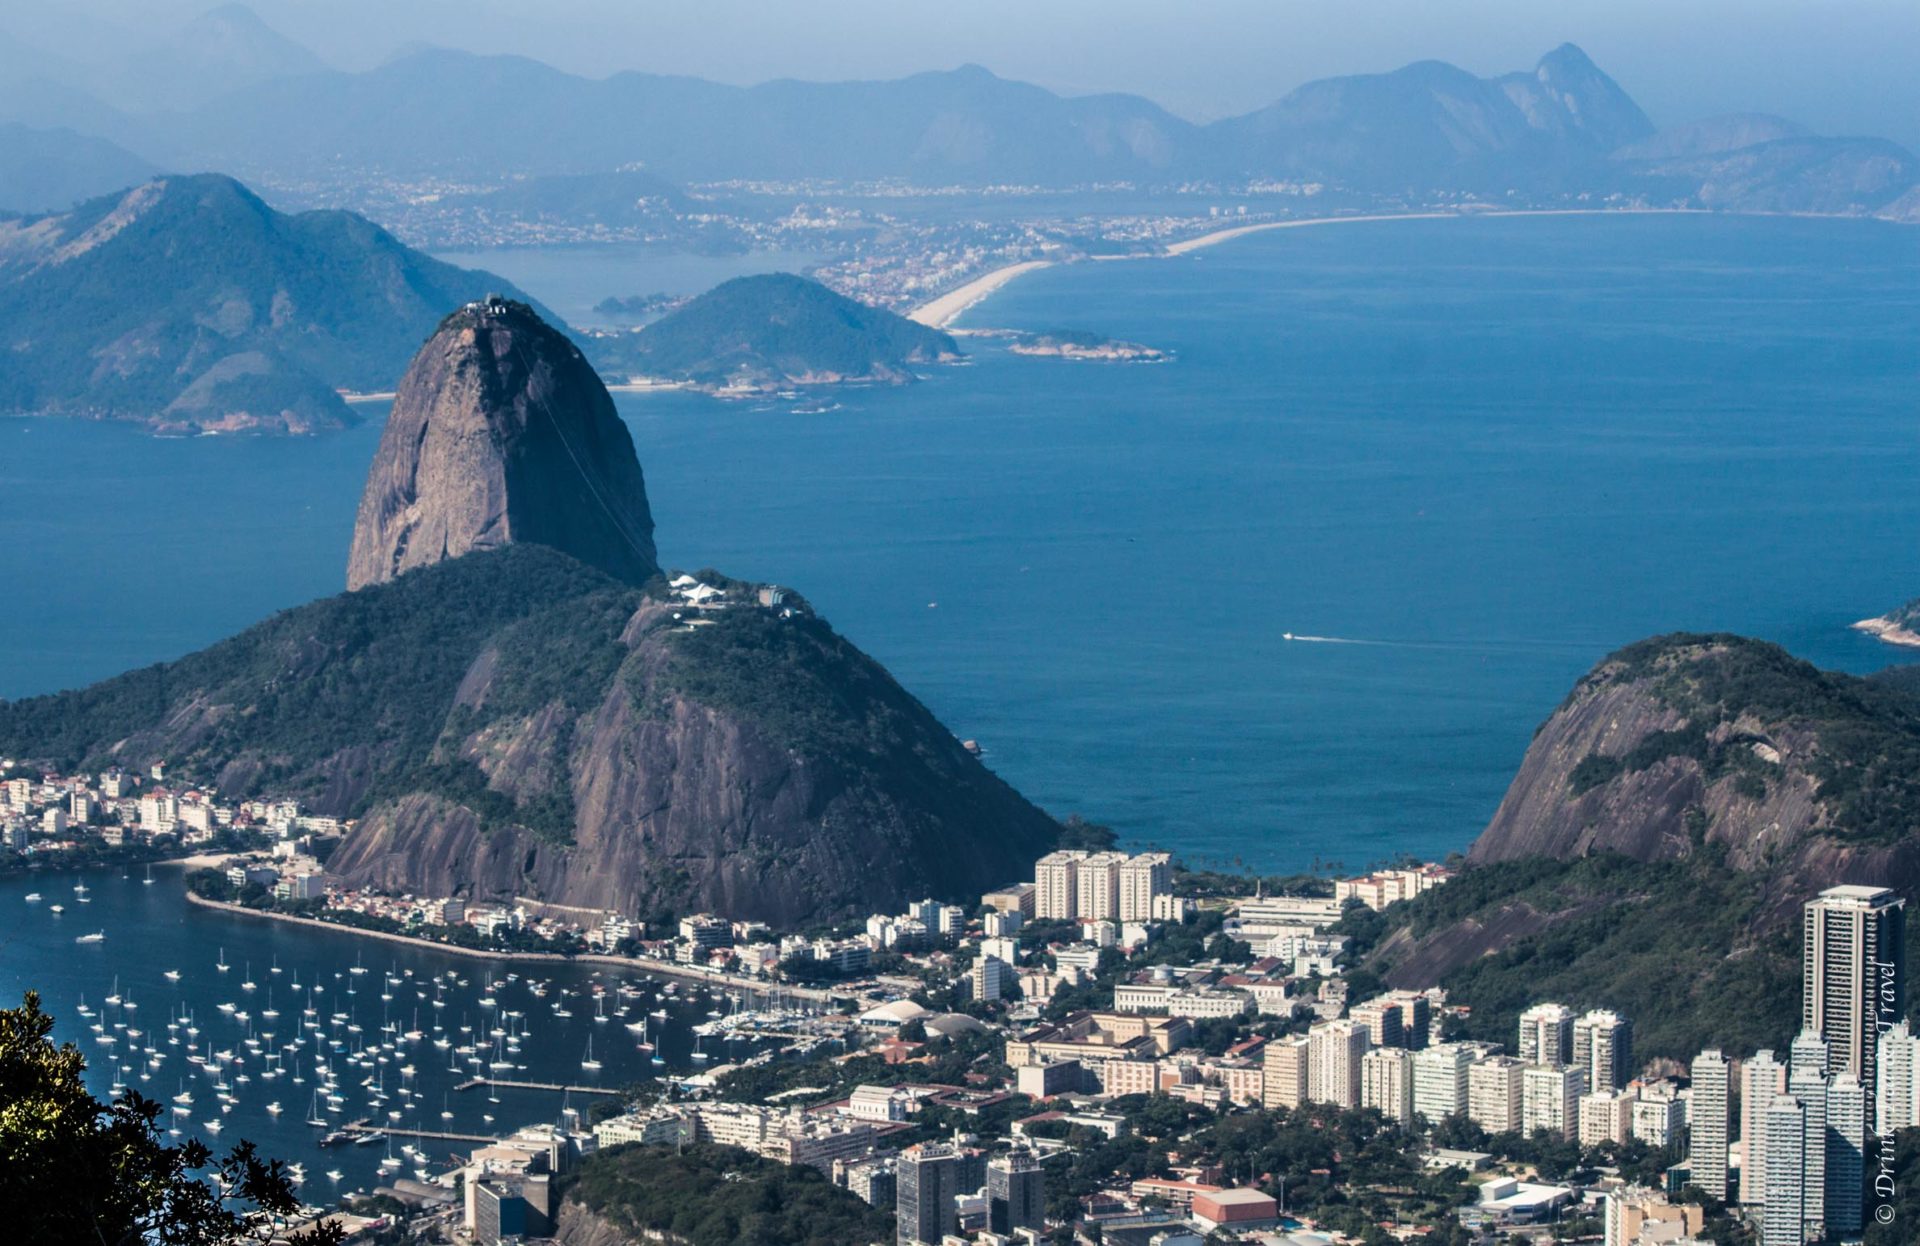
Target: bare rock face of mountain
<point x="501" y="433"/>
<point x="1679" y="742"/>
<point x="755" y="765"/>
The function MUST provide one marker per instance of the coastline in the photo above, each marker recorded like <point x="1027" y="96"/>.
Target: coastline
<point x="939" y="313"/>
<point x="663" y="969"/>
<point x="1887" y="631"/>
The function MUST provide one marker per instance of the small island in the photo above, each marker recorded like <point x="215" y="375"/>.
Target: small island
<point x="1078" y="344"/>
<point x="638" y="307"/>
<point x="1896" y="627"/>
<point x="754" y="336"/>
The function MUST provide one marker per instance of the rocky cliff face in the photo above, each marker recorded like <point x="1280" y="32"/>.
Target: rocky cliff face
<point x="578" y="1226"/>
<point x="501" y="432"/>
<point x="1808" y="776"/>
<point x="756" y="765"/>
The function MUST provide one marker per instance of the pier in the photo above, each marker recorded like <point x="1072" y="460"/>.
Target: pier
<point x="358" y="1128"/>
<point x="476" y="1082"/>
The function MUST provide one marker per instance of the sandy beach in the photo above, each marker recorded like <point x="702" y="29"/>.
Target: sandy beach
<point x="1219" y="236"/>
<point x="941" y="311"/>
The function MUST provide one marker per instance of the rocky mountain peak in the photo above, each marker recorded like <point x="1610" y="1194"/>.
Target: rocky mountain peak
<point x="502" y="433"/>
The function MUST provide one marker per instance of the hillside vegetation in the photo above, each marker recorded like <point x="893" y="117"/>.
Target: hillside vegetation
<point x="342" y="701"/>
<point x="722" y="1196"/>
<point x="1681" y="947"/>
<point x="773" y="331"/>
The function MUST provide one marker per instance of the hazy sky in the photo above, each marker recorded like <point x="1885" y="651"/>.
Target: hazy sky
<point x="1836" y="65"/>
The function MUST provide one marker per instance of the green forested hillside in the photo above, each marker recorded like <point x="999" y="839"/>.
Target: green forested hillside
<point x="345" y="697"/>
<point x="772" y="331"/>
<point x="720" y="1196"/>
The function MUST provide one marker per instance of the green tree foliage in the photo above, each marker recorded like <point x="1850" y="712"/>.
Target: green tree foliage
<point x="354" y="694"/>
<point x="720" y="1196"/>
<point x="773" y="327"/>
<point x="1894" y="1184"/>
<point x="76" y="1170"/>
<point x="1683" y="947"/>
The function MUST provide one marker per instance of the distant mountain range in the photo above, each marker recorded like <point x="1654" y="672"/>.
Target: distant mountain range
<point x="230" y="93"/>
<point x="1423" y="126"/>
<point x="46" y="170"/>
<point x="188" y="303"/>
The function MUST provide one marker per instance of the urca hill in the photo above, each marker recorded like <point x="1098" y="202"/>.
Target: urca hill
<point x="1667" y="825"/>
<point x="517" y="703"/>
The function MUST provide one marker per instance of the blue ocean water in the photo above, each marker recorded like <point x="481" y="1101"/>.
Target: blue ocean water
<point x="1478" y="455"/>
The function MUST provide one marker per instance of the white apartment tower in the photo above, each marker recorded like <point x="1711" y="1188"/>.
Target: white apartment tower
<point x="1707" y="1152"/>
<point x="1762" y="1080"/>
<point x="1807" y="1083"/>
<point x="1284" y="1072"/>
<point x="1606" y="1116"/>
<point x="1603" y="1046"/>
<point x="1386" y="1082"/>
<point x="1142" y="879"/>
<point x="1550" y="1099"/>
<point x="1440" y="1080"/>
<point x="1495" y="1094"/>
<point x="1334" y="1052"/>
<point x="1056" y="895"/>
<point x="1546" y="1035"/>
<point x="1853" y="975"/>
<point x="1896" y="1106"/>
<point x="1783" y="1219"/>
<point x="1097" y="879"/>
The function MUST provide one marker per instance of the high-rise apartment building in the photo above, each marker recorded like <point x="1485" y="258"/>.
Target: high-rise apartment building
<point x="1098" y="883"/>
<point x="1334" y="1052"/>
<point x="1708" y="1119"/>
<point x="926" y="1180"/>
<point x="1603" y="1046"/>
<point x="1606" y="1116"/>
<point x="1853" y="975"/>
<point x="1807" y="1063"/>
<point x="1416" y="1017"/>
<point x="1142" y="878"/>
<point x="991" y="978"/>
<point x="1440" y="1080"/>
<point x="1056" y="893"/>
<point x="1495" y="1094"/>
<point x="1284" y="1072"/>
<point x="1546" y="1036"/>
<point x="1016" y="1192"/>
<point x="1897" y="1097"/>
<point x="1846" y="1155"/>
<point x="1783" y="1219"/>
<point x="1550" y="1099"/>
<point x="1762" y="1080"/>
<point x="1386" y="1082"/>
<point x="1382" y="1020"/>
